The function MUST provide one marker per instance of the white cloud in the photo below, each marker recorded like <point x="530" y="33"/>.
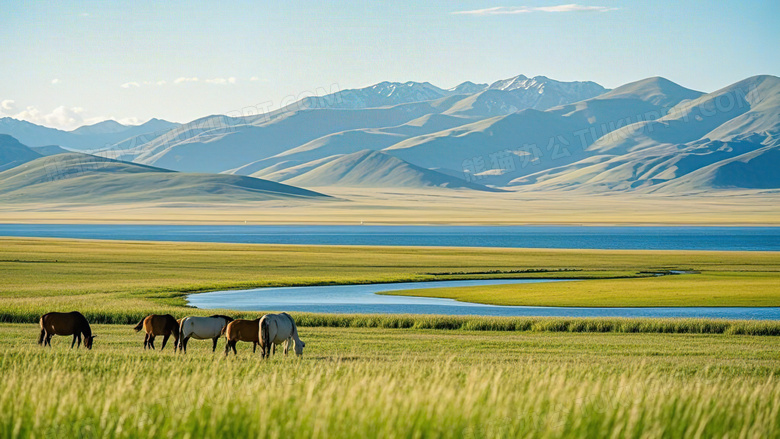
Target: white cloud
<point x="135" y="84"/>
<point x="511" y="10"/>
<point x="55" y="81"/>
<point x="254" y="79"/>
<point x="8" y="106"/>
<point x="61" y="117"/>
<point x="221" y="81"/>
<point x="185" y="79"/>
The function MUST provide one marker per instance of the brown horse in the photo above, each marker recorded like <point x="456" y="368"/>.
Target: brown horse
<point x="154" y="325"/>
<point x="61" y="323"/>
<point x="242" y="330"/>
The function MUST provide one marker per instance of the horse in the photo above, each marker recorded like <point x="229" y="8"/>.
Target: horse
<point x="277" y="329"/>
<point x="154" y="325"/>
<point x="202" y="328"/>
<point x="61" y="323"/>
<point x="242" y="330"/>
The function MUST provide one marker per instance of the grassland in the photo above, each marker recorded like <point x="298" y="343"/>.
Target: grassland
<point x="395" y="383"/>
<point x="711" y="288"/>
<point x="381" y="376"/>
<point x="119" y="282"/>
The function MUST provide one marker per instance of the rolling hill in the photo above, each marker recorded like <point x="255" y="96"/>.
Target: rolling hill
<point x="13" y="153"/>
<point x="374" y="169"/>
<point x="83" y="178"/>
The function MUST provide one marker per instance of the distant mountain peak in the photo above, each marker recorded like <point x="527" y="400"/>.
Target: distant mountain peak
<point x="467" y="87"/>
<point x="509" y="84"/>
<point x="108" y="126"/>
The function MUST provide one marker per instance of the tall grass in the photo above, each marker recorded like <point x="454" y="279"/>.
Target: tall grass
<point x="69" y="394"/>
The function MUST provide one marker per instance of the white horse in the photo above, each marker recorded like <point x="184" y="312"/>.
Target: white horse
<point x="202" y="328"/>
<point x="277" y="329"/>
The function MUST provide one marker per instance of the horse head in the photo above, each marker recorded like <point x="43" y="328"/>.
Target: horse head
<point x="298" y="345"/>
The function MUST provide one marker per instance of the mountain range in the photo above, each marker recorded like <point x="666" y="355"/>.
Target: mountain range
<point x="518" y="134"/>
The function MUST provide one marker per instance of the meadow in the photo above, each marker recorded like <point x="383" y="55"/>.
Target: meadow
<point x="120" y="282"/>
<point x="389" y="376"/>
<point x="396" y="383"/>
<point x="711" y="288"/>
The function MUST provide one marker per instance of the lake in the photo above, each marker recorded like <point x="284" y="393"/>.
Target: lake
<point x="586" y="237"/>
<point x="362" y="299"/>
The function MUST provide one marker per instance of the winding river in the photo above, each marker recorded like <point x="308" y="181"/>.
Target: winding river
<point x="363" y="299"/>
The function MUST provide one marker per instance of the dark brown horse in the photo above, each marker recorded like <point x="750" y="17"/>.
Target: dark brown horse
<point x="65" y="323"/>
<point x="154" y="325"/>
<point x="242" y="330"/>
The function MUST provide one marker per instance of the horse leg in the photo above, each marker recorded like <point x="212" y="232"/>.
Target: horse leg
<point x="165" y="340"/>
<point x="175" y="344"/>
<point x="227" y="348"/>
<point x="184" y="344"/>
<point x="47" y="341"/>
<point x="79" y="338"/>
<point x="233" y="346"/>
<point x="73" y="343"/>
<point x="151" y="341"/>
<point x="146" y="340"/>
<point x="254" y="347"/>
<point x="214" y="348"/>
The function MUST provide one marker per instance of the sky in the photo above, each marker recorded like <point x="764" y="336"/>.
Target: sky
<point x="65" y="64"/>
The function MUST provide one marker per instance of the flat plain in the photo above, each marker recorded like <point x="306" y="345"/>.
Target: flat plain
<point x="388" y="376"/>
<point x="395" y="383"/>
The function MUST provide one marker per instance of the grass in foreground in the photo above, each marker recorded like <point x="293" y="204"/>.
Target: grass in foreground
<point x="395" y="383"/>
<point x="122" y="281"/>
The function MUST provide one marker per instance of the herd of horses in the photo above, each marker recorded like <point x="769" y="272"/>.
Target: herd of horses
<point x="268" y="331"/>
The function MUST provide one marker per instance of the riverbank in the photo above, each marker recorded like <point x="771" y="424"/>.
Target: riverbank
<point x="122" y="281"/>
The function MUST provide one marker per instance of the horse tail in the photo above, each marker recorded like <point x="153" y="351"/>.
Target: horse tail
<point x="181" y="327"/>
<point x="43" y="331"/>
<point x="175" y="328"/>
<point x="140" y="325"/>
<point x="265" y="336"/>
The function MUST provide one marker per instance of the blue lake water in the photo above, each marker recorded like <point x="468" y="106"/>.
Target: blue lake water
<point x="588" y="237"/>
<point x="362" y="299"/>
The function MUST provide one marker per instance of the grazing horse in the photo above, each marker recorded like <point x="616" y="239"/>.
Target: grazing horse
<point x="62" y="323"/>
<point x="277" y="329"/>
<point x="242" y="330"/>
<point x="202" y="328"/>
<point x="154" y="325"/>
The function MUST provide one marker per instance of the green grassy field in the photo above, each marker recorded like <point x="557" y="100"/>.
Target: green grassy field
<point x="388" y="376"/>
<point x="114" y="281"/>
<point x="396" y="383"/>
<point x="710" y="288"/>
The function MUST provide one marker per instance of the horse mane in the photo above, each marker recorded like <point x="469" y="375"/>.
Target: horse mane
<point x="227" y="319"/>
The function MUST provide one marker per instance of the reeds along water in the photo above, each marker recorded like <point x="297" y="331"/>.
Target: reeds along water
<point x="470" y="323"/>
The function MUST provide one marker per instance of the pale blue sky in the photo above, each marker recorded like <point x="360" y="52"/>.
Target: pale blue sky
<point x="78" y="61"/>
